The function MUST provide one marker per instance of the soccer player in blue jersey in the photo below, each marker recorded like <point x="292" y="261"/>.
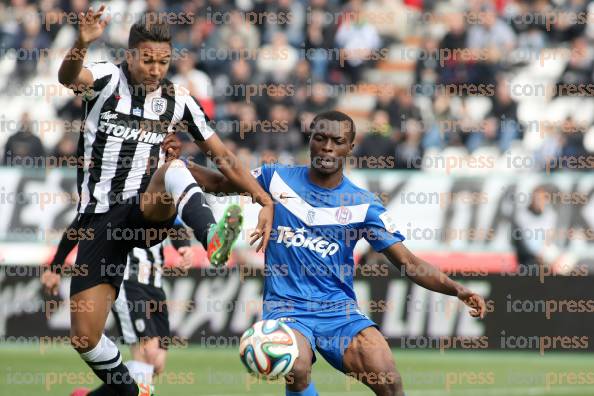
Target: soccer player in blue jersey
<point x="319" y="215"/>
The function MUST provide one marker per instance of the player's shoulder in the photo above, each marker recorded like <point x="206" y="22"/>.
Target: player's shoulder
<point x="175" y="90"/>
<point x="359" y="194"/>
<point x="283" y="170"/>
<point x="103" y="65"/>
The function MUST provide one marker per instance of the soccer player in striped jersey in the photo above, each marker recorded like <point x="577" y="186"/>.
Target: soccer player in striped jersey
<point x="129" y="195"/>
<point x="141" y="309"/>
<point x="319" y="217"/>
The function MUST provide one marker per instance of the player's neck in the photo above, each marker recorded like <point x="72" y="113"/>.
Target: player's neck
<point x="325" y="181"/>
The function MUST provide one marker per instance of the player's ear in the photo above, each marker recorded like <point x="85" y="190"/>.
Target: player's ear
<point x="351" y="147"/>
<point x="129" y="56"/>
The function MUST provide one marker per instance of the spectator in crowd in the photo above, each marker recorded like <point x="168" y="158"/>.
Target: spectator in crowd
<point x="563" y="147"/>
<point x="387" y="101"/>
<point x="318" y="100"/>
<point x="409" y="153"/>
<point x="284" y="135"/>
<point x="564" y="26"/>
<point x="233" y="90"/>
<point x="197" y="81"/>
<point x="454" y="69"/>
<point x="318" y="44"/>
<point x="24" y="148"/>
<point x="578" y="71"/>
<point x="402" y="109"/>
<point x="530" y="227"/>
<point x="492" y="41"/>
<point x="502" y="119"/>
<point x="72" y="109"/>
<point x="357" y="40"/>
<point x="32" y="40"/>
<point x="377" y="141"/>
<point x="572" y="145"/>
<point x="278" y="59"/>
<point x="64" y="153"/>
<point x="528" y="21"/>
<point x="245" y="129"/>
<point x="444" y="128"/>
<point x="301" y="82"/>
<point x="238" y="27"/>
<point x="427" y="68"/>
<point x="292" y="11"/>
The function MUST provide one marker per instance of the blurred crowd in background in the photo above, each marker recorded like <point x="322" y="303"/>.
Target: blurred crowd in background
<point x="423" y="79"/>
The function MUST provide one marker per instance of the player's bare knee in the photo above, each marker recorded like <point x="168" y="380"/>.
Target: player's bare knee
<point x="300" y="375"/>
<point x="83" y="338"/>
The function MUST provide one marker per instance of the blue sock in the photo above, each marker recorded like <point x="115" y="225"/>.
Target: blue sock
<point x="309" y="391"/>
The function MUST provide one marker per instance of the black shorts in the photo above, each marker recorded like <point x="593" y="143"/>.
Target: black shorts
<point x="141" y="312"/>
<point x="102" y="257"/>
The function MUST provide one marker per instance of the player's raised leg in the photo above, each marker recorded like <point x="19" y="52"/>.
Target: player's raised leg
<point x="298" y="381"/>
<point x="172" y="189"/>
<point x="368" y="358"/>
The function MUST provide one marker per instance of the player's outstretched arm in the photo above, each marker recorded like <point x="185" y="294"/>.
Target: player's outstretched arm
<point x="237" y="178"/>
<point x="238" y="175"/>
<point x="212" y="181"/>
<point x="426" y="275"/>
<point x="90" y="28"/>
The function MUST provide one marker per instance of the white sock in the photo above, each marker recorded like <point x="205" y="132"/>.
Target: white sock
<point x="104" y="356"/>
<point x="141" y="372"/>
<point x="177" y="179"/>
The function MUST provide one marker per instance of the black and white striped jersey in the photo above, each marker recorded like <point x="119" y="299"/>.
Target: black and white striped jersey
<point x="122" y="132"/>
<point x="145" y="265"/>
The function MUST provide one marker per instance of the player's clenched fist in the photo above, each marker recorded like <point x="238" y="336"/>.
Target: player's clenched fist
<point x="90" y="25"/>
<point x="171" y="146"/>
<point x="187" y="257"/>
<point x="51" y="282"/>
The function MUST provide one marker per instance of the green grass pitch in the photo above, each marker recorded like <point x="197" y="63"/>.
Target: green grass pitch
<point x="25" y="371"/>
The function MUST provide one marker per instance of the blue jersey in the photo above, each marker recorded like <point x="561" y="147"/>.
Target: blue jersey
<point x="309" y="259"/>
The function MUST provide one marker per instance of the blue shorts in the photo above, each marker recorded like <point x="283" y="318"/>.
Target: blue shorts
<point x="329" y="331"/>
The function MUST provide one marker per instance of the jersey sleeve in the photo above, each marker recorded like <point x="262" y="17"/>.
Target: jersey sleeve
<point x="380" y="228"/>
<point x="193" y="119"/>
<point x="263" y="175"/>
<point x="102" y="72"/>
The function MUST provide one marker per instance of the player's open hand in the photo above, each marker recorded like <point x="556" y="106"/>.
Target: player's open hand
<point x="90" y="25"/>
<point x="51" y="282"/>
<point x="474" y="301"/>
<point x="171" y="146"/>
<point x="264" y="227"/>
<point x="187" y="257"/>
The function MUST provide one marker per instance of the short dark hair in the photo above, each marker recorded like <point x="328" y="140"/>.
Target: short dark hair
<point x="150" y="27"/>
<point x="334" y="115"/>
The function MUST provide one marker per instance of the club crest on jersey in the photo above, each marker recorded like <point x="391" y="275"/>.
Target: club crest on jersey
<point x="137" y="111"/>
<point x="159" y="105"/>
<point x="311" y="216"/>
<point x="139" y="324"/>
<point x="343" y="215"/>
